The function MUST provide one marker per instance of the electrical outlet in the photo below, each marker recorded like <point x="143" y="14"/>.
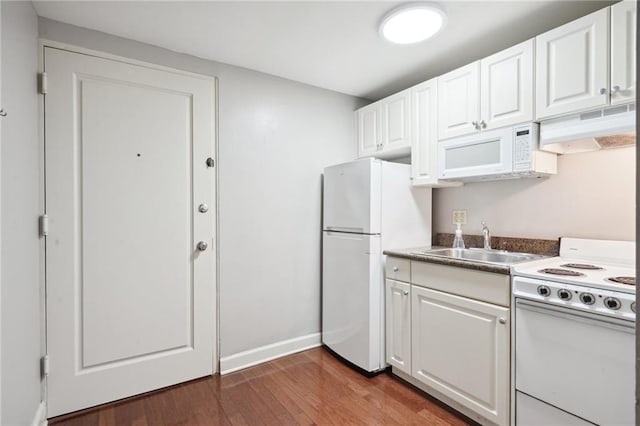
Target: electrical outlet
<point x="459" y="217"/>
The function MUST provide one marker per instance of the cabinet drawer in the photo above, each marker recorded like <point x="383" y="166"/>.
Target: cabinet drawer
<point x="479" y="285"/>
<point x="398" y="269"/>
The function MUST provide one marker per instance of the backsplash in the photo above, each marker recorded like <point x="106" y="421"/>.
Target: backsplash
<point x="522" y="245"/>
<point x="592" y="196"/>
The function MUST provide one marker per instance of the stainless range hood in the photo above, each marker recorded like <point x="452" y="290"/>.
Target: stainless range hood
<point x="611" y="127"/>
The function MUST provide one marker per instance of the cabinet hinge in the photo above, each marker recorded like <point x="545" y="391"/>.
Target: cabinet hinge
<point x="42" y="83"/>
<point x="44" y="225"/>
<point x="44" y="366"/>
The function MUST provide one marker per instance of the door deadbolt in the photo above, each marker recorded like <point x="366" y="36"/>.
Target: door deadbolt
<point x="210" y="162"/>
<point x="203" y="208"/>
<point x="202" y="246"/>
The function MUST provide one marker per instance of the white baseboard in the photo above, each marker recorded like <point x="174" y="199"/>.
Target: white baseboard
<point x="40" y="418"/>
<point x="235" y="362"/>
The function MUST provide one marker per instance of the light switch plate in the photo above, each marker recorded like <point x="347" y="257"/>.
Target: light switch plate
<point x="459" y="217"/>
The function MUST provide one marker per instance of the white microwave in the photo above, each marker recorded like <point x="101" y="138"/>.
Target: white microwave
<point x="506" y="153"/>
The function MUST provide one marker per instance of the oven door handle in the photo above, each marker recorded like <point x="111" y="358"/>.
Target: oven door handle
<point x="574" y="315"/>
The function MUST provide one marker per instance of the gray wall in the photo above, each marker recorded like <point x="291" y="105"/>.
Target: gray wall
<point x="20" y="191"/>
<point x="275" y="137"/>
<point x="592" y="196"/>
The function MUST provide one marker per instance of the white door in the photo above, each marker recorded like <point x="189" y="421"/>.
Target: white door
<point x="460" y="347"/>
<point x="352" y="298"/>
<point x="396" y="121"/>
<point x="424" y="134"/>
<point x="507" y="87"/>
<point x="130" y="299"/>
<point x="369" y="140"/>
<point x="623" y="52"/>
<point x="598" y="384"/>
<point x="572" y="66"/>
<point x="459" y="101"/>
<point x="398" y="324"/>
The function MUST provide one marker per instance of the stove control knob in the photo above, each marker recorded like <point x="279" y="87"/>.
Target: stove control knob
<point x="544" y="291"/>
<point x="587" y="298"/>
<point x="612" y="303"/>
<point x="633" y="307"/>
<point x="564" y="294"/>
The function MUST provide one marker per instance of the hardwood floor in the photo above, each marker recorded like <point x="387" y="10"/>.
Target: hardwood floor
<point x="307" y="388"/>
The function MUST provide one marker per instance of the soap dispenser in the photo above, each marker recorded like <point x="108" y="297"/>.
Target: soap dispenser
<point x="458" y="242"/>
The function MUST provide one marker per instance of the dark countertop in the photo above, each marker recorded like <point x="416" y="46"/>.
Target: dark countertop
<point x="411" y="254"/>
<point x="541" y="246"/>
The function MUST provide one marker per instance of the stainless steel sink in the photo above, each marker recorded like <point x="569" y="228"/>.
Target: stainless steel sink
<point x="499" y="257"/>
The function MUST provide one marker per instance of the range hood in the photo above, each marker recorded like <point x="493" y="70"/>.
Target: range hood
<point x="611" y="127"/>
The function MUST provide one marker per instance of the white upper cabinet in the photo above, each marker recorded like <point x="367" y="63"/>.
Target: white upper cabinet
<point x="506" y="89"/>
<point x="424" y="135"/>
<point x="459" y="101"/>
<point x="384" y="127"/>
<point x="572" y="66"/>
<point x="494" y="92"/>
<point x="368" y="119"/>
<point x="623" y="52"/>
<point x="396" y="121"/>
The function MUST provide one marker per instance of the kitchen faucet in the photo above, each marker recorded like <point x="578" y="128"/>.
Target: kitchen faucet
<point x="485" y="236"/>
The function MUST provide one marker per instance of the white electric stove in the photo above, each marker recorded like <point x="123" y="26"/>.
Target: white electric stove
<point x="575" y="335"/>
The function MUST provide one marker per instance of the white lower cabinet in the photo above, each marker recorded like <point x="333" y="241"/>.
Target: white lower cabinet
<point x="448" y="333"/>
<point x="461" y="349"/>
<point x="398" y="324"/>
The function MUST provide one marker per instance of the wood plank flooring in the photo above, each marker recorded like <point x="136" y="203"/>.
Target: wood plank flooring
<point x="307" y="388"/>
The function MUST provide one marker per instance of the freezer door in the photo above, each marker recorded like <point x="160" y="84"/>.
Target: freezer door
<point x="352" y="298"/>
<point x="352" y="197"/>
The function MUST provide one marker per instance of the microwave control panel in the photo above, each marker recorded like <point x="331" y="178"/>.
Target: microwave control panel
<point x="524" y="146"/>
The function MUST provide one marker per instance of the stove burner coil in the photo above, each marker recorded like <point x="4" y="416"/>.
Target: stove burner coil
<point x="623" y="280"/>
<point x="558" y="271"/>
<point x="581" y="266"/>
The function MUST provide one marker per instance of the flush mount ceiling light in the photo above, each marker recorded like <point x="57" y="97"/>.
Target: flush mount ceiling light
<point x="412" y="22"/>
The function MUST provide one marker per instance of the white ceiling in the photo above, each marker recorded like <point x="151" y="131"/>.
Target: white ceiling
<point x="332" y="44"/>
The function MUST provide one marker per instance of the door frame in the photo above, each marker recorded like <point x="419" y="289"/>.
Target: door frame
<point x="45" y="43"/>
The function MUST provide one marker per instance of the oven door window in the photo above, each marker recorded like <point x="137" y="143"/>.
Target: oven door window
<point x="578" y="362"/>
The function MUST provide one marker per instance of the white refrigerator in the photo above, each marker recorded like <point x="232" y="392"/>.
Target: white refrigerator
<point x="369" y="206"/>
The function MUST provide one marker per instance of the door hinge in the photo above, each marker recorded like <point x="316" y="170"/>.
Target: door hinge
<point x="42" y="83"/>
<point x="44" y="366"/>
<point x="44" y="225"/>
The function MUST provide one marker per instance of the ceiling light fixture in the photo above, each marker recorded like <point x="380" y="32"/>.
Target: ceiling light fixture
<point x="412" y="22"/>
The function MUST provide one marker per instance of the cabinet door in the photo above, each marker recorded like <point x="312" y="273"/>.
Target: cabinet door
<point x="460" y="347"/>
<point x="398" y="324"/>
<point x="623" y="52"/>
<point x="572" y="66"/>
<point x="396" y="121"/>
<point x="424" y="135"/>
<point x="459" y="101"/>
<point x="368" y="130"/>
<point x="506" y="91"/>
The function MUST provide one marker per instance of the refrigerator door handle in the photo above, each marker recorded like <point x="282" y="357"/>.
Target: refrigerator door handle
<point x="348" y="230"/>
